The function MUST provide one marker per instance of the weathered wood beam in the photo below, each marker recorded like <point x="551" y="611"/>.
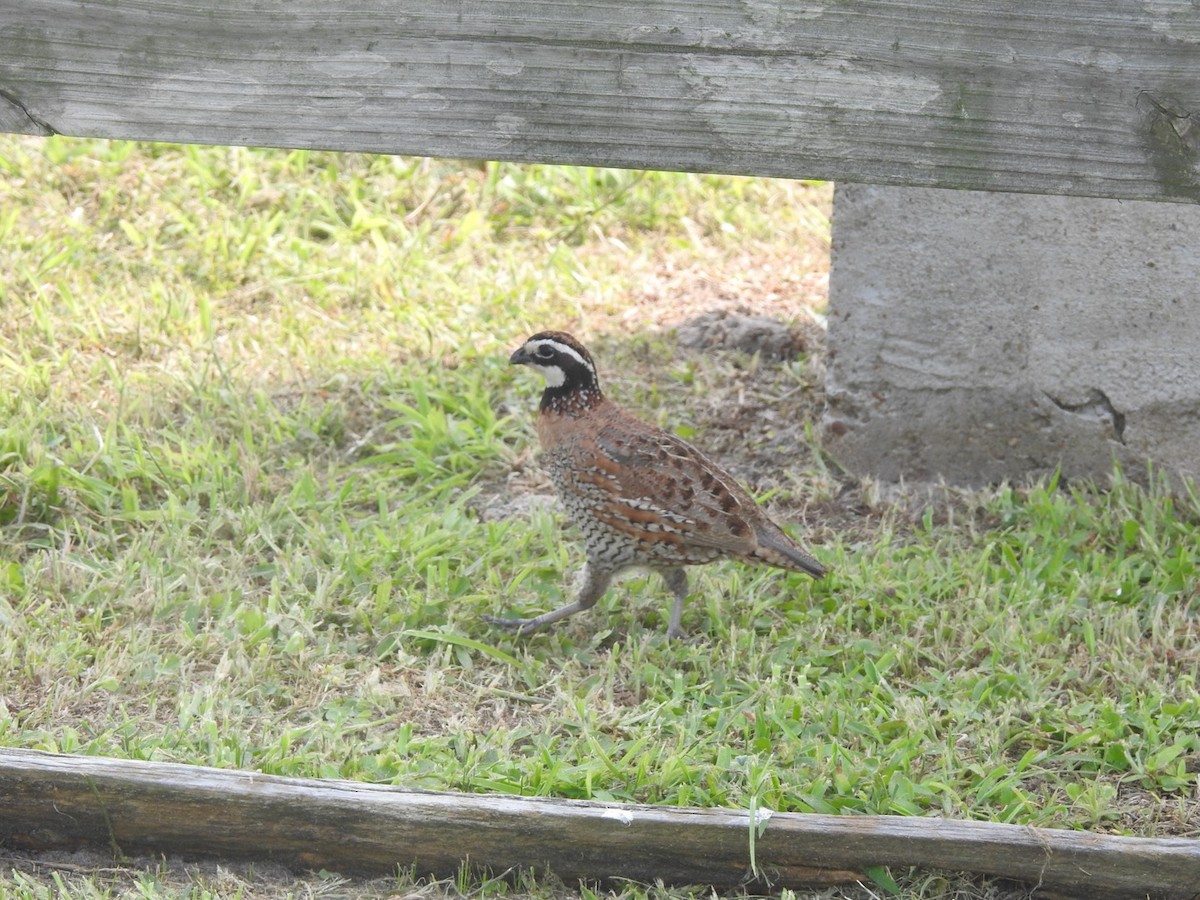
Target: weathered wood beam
<point x="1092" y="97"/>
<point x="55" y="801"/>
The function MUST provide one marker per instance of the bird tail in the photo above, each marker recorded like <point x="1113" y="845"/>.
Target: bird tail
<point x="777" y="549"/>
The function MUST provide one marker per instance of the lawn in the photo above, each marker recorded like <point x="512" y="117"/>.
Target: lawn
<point x="264" y="466"/>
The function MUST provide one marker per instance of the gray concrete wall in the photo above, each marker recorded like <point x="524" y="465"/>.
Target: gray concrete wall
<point x="979" y="336"/>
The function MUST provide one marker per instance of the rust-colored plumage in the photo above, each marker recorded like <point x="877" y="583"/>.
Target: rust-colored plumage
<point x="640" y="495"/>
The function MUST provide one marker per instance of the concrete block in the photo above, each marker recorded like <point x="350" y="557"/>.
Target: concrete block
<point x="978" y="337"/>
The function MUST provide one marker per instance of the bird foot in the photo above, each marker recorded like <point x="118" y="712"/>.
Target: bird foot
<point x="516" y="626"/>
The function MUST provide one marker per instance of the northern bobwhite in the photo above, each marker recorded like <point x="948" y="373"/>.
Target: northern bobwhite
<point x="641" y="496"/>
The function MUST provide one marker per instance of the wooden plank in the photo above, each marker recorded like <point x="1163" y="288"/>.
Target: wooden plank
<point x="1092" y="97"/>
<point x="57" y="801"/>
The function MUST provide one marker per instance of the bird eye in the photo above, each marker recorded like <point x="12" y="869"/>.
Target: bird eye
<point x="545" y="352"/>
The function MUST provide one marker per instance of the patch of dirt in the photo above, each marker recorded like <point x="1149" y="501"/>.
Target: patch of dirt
<point x="1147" y="812"/>
<point x="766" y="337"/>
<point x="516" y="503"/>
<point x="757" y="280"/>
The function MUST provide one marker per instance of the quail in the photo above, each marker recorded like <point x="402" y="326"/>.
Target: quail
<point x="641" y="496"/>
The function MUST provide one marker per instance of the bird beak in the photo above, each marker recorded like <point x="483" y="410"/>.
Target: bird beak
<point x="520" y="357"/>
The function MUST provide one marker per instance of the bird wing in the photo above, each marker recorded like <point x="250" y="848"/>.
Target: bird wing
<point x="650" y="480"/>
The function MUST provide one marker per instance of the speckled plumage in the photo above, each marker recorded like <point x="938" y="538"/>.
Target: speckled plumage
<point x="640" y="495"/>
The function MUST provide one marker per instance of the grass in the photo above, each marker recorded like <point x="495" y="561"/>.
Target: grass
<point x="263" y="466"/>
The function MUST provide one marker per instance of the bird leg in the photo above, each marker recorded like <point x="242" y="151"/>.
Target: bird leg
<point x="592" y="588"/>
<point x="677" y="581"/>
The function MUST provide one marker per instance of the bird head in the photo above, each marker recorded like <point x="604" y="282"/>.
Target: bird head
<point x="560" y="359"/>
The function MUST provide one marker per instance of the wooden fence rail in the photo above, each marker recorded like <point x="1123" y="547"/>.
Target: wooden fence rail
<point x="54" y="801"/>
<point x="1092" y="97"/>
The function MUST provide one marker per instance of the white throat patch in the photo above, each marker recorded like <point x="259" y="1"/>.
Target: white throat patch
<point x="554" y="375"/>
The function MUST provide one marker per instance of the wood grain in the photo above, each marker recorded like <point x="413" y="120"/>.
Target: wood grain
<point x="1093" y="97"/>
<point x="57" y="801"/>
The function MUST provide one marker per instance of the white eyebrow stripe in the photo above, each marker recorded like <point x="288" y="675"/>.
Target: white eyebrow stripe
<point x="562" y="348"/>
